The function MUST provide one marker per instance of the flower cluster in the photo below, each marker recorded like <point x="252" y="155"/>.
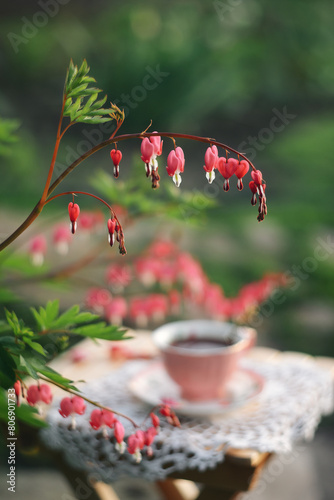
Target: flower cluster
<point x="184" y="287"/>
<point x="35" y="394"/>
<point x="103" y="419"/>
<point x="151" y="148"/>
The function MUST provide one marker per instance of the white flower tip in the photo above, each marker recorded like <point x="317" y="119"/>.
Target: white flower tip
<point x="37" y="259"/>
<point x="210" y="176"/>
<point x="154" y="163"/>
<point x="177" y="180"/>
<point x="120" y="447"/>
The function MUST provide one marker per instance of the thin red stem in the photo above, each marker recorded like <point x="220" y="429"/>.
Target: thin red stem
<point x="54" y="156"/>
<point x="79" y="192"/>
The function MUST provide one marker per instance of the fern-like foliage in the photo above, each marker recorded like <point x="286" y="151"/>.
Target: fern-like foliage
<point x="82" y="104"/>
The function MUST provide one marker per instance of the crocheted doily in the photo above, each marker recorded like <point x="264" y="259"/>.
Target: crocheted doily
<point x="295" y="396"/>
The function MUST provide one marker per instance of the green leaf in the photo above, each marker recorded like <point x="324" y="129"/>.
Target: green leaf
<point x="35" y="346"/>
<point x="26" y="366"/>
<point x="57" y="377"/>
<point x="88" y="92"/>
<point x="93" y="121"/>
<point x="13" y="321"/>
<point x="88" y="79"/>
<point x="85" y="317"/>
<point x="75" y="108"/>
<point x="71" y="73"/>
<point x="45" y="317"/>
<point x="101" y="331"/>
<point x="78" y="91"/>
<point x="98" y="104"/>
<point x="84" y="69"/>
<point x="90" y="102"/>
<point x="100" y="111"/>
<point x="66" y="319"/>
<point x="67" y="106"/>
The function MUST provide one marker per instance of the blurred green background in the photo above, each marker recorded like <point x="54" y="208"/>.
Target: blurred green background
<point x="256" y="75"/>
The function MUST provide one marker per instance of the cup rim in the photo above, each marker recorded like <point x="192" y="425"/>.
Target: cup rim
<point x="160" y="336"/>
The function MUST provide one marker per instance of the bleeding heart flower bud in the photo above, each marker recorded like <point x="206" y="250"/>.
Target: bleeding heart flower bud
<point x="74" y="211"/>
<point x="155" y="419"/>
<point x="116" y="157"/>
<point x="257" y="177"/>
<point x="166" y="411"/>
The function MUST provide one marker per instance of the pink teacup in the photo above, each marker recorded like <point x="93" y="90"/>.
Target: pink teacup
<point x="202" y="355"/>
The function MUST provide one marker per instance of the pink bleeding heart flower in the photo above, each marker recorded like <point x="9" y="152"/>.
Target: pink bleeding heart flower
<point x="116" y="310"/>
<point x="175" y="165"/>
<point x="149" y="438"/>
<point x="112" y="225"/>
<point x="74" y="211"/>
<point x="253" y="187"/>
<point x="97" y="299"/>
<point x="45" y="393"/>
<point x="37" y="249"/>
<point x="157" y="143"/>
<point x="227" y="168"/>
<point x="102" y="418"/>
<point x="71" y="406"/>
<point x="118" y="276"/>
<point x="36" y="393"/>
<point x="147" y="152"/>
<point x="140" y="435"/>
<point x="134" y="448"/>
<point x="116" y="157"/>
<point x="210" y="159"/>
<point x="240" y="172"/>
<point x="119" y="436"/>
<point x="33" y="395"/>
<point x="61" y="238"/>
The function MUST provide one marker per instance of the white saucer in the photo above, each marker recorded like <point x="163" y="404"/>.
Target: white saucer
<point x="154" y="386"/>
